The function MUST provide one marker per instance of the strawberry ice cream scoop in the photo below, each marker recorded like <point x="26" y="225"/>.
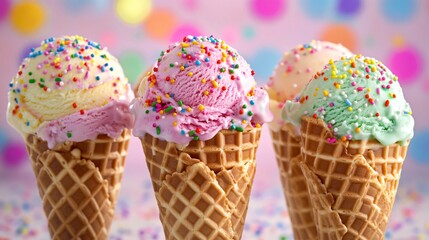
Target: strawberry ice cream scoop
<point x="196" y="88"/>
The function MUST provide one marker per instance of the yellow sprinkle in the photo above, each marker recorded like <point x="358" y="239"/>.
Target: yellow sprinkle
<point x="331" y="61"/>
<point x="258" y="125"/>
<point x="395" y="78"/>
<point x="317" y="89"/>
<point x="215" y="84"/>
<point x="350" y="71"/>
<point x="410" y="112"/>
<point x="223" y="59"/>
<point x="195" y="43"/>
<point x="161" y="112"/>
<point x="189" y="109"/>
<point x="206" y="93"/>
<point x="158" y="101"/>
<point x="234" y="59"/>
<point x="373" y="69"/>
<point x="182" y="68"/>
<point x="338" y="86"/>
<point x="203" y="51"/>
<point x="174" y="114"/>
<point x="342" y="58"/>
<point x="185" y="44"/>
<point x="345" y="63"/>
<point x="20" y="115"/>
<point x="190" y="74"/>
<point x="174" y="123"/>
<point x="224" y="54"/>
<point x="201" y="107"/>
<point x="358" y="56"/>
<point x="179" y="54"/>
<point x="357" y="130"/>
<point x="167" y="95"/>
<point x="350" y="109"/>
<point x="326" y="93"/>
<point x="357" y="72"/>
<point x="368" y="90"/>
<point x="172" y="81"/>
<point x="315" y="94"/>
<point x="203" y="46"/>
<point x="203" y="80"/>
<point x="244" y="121"/>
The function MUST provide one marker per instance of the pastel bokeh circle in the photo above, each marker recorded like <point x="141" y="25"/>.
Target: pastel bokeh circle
<point x="316" y="8"/>
<point x="406" y="63"/>
<point x="14" y="153"/>
<point x="267" y="9"/>
<point x="419" y="146"/>
<point x="399" y="10"/>
<point x="160" y="23"/>
<point x="4" y="9"/>
<point x="184" y="30"/>
<point x="262" y="63"/>
<point x="132" y="63"/>
<point x="133" y="11"/>
<point x="340" y="34"/>
<point x="27" y="17"/>
<point x="348" y="7"/>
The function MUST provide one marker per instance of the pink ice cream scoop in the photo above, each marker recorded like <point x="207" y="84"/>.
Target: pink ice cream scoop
<point x="196" y="88"/>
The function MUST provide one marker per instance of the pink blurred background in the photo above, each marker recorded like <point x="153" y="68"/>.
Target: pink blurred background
<point x="394" y="31"/>
<point x="135" y="31"/>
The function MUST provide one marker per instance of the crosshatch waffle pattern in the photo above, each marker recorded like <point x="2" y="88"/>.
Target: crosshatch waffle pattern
<point x="361" y="176"/>
<point x="287" y="147"/>
<point x="104" y="158"/>
<point x="74" y="197"/>
<point x="229" y="157"/>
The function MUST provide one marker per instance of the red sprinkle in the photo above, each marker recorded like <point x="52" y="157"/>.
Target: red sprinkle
<point x="253" y="72"/>
<point x="82" y="111"/>
<point x="386" y="103"/>
<point x="314" y="115"/>
<point x="155" y="69"/>
<point x="223" y="88"/>
<point x="74" y="105"/>
<point x="232" y="78"/>
<point x="377" y="114"/>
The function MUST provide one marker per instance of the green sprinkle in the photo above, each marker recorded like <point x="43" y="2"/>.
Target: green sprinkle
<point x="32" y="80"/>
<point x="236" y="66"/>
<point x="69" y="134"/>
<point x="196" y="138"/>
<point x="231" y="71"/>
<point x="192" y="132"/>
<point x="171" y="64"/>
<point x="240" y="129"/>
<point x="250" y="113"/>
<point x="42" y="80"/>
<point x="222" y="70"/>
<point x="180" y="103"/>
<point x="232" y="127"/>
<point x="244" y="106"/>
<point x="147" y="111"/>
<point x="30" y="73"/>
<point x="158" y="130"/>
<point x="153" y="104"/>
<point x="41" y="85"/>
<point x="167" y="110"/>
<point x="57" y="79"/>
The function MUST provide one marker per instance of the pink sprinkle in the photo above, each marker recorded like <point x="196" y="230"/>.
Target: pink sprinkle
<point x="353" y="83"/>
<point x="44" y="72"/>
<point x="86" y="75"/>
<point x="154" y="125"/>
<point x="378" y="91"/>
<point x="69" y="67"/>
<point x="331" y="104"/>
<point x="360" y="89"/>
<point x="367" y="69"/>
<point x="157" y="117"/>
<point x="307" y="70"/>
<point x="67" y="58"/>
<point x="329" y="125"/>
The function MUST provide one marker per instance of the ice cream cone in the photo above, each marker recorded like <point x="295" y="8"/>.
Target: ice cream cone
<point x="352" y="183"/>
<point x="203" y="189"/>
<point x="79" y="183"/>
<point x="287" y="146"/>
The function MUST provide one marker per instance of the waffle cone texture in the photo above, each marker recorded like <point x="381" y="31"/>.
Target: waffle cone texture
<point x="287" y="148"/>
<point x="79" y="183"/>
<point x="203" y="189"/>
<point x="352" y="184"/>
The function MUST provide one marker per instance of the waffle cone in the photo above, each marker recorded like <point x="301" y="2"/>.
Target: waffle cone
<point x="352" y="184"/>
<point x="287" y="147"/>
<point x="203" y="190"/>
<point x="79" y="183"/>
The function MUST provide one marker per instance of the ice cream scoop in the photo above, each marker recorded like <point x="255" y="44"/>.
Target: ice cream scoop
<point x="70" y="89"/>
<point x="198" y="87"/>
<point x="295" y="69"/>
<point x="359" y="98"/>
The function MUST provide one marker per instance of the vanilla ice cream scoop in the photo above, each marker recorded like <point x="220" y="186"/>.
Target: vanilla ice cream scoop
<point x="69" y="88"/>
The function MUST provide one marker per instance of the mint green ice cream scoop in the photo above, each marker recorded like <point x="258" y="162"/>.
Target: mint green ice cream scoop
<point x="359" y="98"/>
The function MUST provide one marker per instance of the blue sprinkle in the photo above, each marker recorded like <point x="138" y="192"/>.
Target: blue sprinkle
<point x="92" y="55"/>
<point x="198" y="63"/>
<point x="97" y="78"/>
<point x="16" y="100"/>
<point x="171" y="95"/>
<point x="207" y="59"/>
<point x="252" y="102"/>
<point x="183" y="111"/>
<point x="106" y="64"/>
<point x="348" y="103"/>
<point x="10" y="84"/>
<point x="182" y="132"/>
<point x="102" y="68"/>
<point x="60" y="49"/>
<point x="186" y="65"/>
<point x="219" y="77"/>
<point x="28" y="124"/>
<point x="111" y="68"/>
